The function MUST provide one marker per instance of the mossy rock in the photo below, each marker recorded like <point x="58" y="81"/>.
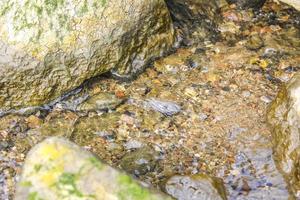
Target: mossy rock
<point x="50" y="47"/>
<point x="59" y="169"/>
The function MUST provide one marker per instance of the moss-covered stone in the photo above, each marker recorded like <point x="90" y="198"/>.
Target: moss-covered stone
<point x="284" y="118"/>
<point x="50" y="47"/>
<point x="58" y="169"/>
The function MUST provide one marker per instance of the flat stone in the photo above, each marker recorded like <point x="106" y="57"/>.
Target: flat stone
<point x="165" y="107"/>
<point x="101" y="101"/>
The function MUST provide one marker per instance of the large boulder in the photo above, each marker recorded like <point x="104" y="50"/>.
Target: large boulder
<point x="284" y="117"/>
<point x="50" y="47"/>
<point x="59" y="169"/>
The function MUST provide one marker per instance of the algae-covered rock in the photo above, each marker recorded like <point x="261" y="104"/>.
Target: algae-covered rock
<point x="196" y="187"/>
<point x="50" y="47"/>
<point x="284" y="117"/>
<point x="58" y="169"/>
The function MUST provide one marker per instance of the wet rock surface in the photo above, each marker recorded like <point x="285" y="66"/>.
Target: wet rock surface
<point x="59" y="169"/>
<point x="284" y="117"/>
<point x="195" y="187"/>
<point x="223" y="90"/>
<point x="48" y="49"/>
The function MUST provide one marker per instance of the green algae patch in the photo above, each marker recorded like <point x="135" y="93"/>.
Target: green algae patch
<point x="95" y="162"/>
<point x="131" y="190"/>
<point x="34" y="196"/>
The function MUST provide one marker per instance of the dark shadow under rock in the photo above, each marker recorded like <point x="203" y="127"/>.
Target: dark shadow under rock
<point x="256" y="4"/>
<point x="196" y="20"/>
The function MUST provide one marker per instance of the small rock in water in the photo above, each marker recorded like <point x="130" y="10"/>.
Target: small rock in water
<point x="266" y="99"/>
<point x="196" y="187"/>
<point x="235" y="131"/>
<point x="71" y="104"/>
<point x="59" y="169"/>
<point x="133" y="144"/>
<point x="139" y="162"/>
<point x="4" y="145"/>
<point x="246" y="94"/>
<point x="269" y="52"/>
<point x="255" y="42"/>
<point x="109" y="136"/>
<point x="101" y="101"/>
<point x="203" y="116"/>
<point x="165" y="107"/>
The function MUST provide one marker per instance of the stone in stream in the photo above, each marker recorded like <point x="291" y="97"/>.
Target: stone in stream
<point x="140" y="162"/>
<point x="50" y="47"/>
<point x="102" y="101"/>
<point x="165" y="107"/>
<point x="255" y="42"/>
<point x="59" y="169"/>
<point x="284" y="118"/>
<point x="196" y="187"/>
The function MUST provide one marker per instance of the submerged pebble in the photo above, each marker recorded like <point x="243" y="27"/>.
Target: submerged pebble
<point x="139" y="162"/>
<point x="133" y="144"/>
<point x="102" y="101"/>
<point x="165" y="107"/>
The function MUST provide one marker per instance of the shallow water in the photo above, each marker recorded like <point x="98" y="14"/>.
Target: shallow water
<point x="222" y="91"/>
